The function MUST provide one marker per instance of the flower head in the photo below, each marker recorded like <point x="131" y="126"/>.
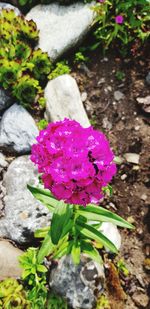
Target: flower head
<point x="119" y="19"/>
<point x="76" y="163"/>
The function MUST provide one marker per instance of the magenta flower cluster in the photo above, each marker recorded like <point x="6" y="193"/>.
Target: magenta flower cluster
<point x="119" y="19"/>
<point x="75" y="162"/>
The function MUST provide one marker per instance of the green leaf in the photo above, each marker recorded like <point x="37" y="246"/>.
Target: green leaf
<point x="64" y="249"/>
<point x="97" y="213"/>
<point x="92" y="233"/>
<point x="41" y="269"/>
<point x="89" y="249"/>
<point x="75" y="252"/>
<point x="46" y="249"/>
<point x="44" y="196"/>
<point x="61" y="217"/>
<point x="41" y="233"/>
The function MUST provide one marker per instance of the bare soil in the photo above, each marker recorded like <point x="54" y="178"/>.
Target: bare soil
<point x="127" y="127"/>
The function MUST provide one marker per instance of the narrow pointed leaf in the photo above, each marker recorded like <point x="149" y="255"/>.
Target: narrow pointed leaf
<point x="64" y="249"/>
<point x="75" y="252"/>
<point x="44" y="196"/>
<point x="89" y="249"/>
<point x="61" y="217"/>
<point x="92" y="233"/>
<point x="46" y="248"/>
<point x="97" y="213"/>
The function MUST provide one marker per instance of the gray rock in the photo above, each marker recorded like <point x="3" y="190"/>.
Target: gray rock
<point x="5" y="100"/>
<point x="61" y="27"/>
<point x="118" y="95"/>
<point x="77" y="283"/>
<point x="148" y="78"/>
<point x="9" y="264"/>
<point x="17" y="130"/>
<point x="8" y="6"/>
<point x="63" y="100"/>
<point x="23" y="213"/>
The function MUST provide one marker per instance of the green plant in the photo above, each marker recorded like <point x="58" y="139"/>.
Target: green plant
<point x="79" y="57"/>
<point x="42" y="124"/>
<point x="60" y="69"/>
<point x="71" y="231"/>
<point x="120" y="75"/>
<point x="121" y="21"/>
<point x="122" y="267"/>
<point x="41" y="64"/>
<point x="13" y="295"/>
<point x="23" y="70"/>
<point x="54" y="302"/>
<point x="33" y="271"/>
<point x="38" y="296"/>
<point x="10" y="71"/>
<point x="26" y="90"/>
<point x="103" y="302"/>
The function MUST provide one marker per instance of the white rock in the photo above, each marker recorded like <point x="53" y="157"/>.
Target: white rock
<point x="111" y="232"/>
<point x="132" y="157"/>
<point x="61" y="27"/>
<point x="9" y="264"/>
<point x="63" y="100"/>
<point x="118" y="95"/>
<point x="123" y="177"/>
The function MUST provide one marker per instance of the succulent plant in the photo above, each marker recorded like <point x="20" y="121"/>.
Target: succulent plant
<point x="42" y="64"/>
<point x="60" y="69"/>
<point x="13" y="295"/>
<point x="27" y="90"/>
<point x="10" y="71"/>
<point x="23" y="70"/>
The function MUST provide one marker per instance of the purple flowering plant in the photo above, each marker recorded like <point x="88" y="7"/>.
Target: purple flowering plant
<point x="122" y="22"/>
<point x="76" y="165"/>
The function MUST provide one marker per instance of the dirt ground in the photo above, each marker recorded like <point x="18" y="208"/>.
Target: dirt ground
<point x="127" y="126"/>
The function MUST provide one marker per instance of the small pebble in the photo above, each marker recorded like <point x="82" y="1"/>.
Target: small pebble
<point x="144" y="197"/>
<point x="137" y="128"/>
<point x="135" y="168"/>
<point x="130" y="220"/>
<point x="101" y="81"/>
<point x="112" y="205"/>
<point x="132" y="157"/>
<point x="83" y="96"/>
<point x="118" y="95"/>
<point x="123" y="177"/>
